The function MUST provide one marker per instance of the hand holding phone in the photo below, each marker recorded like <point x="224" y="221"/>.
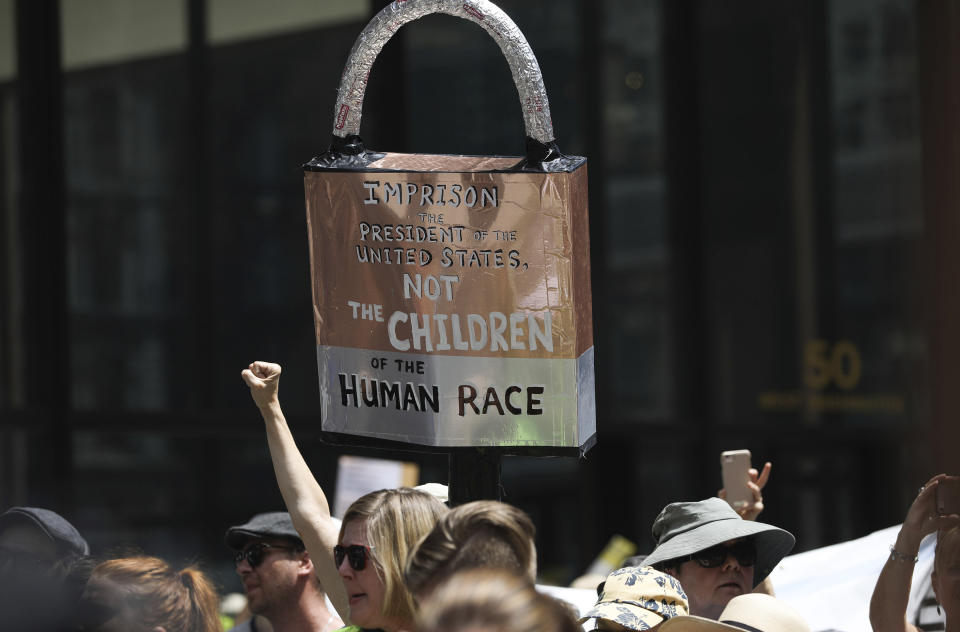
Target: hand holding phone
<point x="936" y="507"/>
<point x="735" y="469"/>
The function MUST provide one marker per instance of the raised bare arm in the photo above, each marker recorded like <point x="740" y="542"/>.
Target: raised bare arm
<point x="303" y="496"/>
<point x="888" y="605"/>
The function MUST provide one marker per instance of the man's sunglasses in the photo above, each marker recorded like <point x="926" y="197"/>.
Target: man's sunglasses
<point x="356" y="554"/>
<point x="745" y="552"/>
<point x="254" y="554"/>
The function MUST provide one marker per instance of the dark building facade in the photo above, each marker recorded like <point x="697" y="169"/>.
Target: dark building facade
<point x="774" y="242"/>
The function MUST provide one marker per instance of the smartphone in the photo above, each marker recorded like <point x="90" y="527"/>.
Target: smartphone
<point x="947" y="496"/>
<point x="734" y="467"/>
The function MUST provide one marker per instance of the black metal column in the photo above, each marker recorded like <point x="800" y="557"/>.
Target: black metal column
<point x="204" y="248"/>
<point x="597" y="509"/>
<point x="682" y="107"/>
<point x="43" y="239"/>
<point x="939" y="60"/>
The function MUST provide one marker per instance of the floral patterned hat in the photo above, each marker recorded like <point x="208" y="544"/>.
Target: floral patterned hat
<point x="638" y="598"/>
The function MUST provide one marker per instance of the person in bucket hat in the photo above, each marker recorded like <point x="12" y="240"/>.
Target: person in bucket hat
<point x="637" y="598"/>
<point x="716" y="554"/>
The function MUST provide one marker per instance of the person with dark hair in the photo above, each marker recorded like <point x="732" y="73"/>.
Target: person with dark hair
<point x="715" y="553"/>
<point x="493" y="600"/>
<point x="888" y="605"/>
<point x="361" y="561"/>
<point x="145" y="593"/>
<point x="278" y="576"/>
<point x="483" y="533"/>
<point x="41" y="569"/>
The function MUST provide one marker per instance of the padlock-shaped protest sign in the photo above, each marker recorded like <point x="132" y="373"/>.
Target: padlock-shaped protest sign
<point x="451" y="294"/>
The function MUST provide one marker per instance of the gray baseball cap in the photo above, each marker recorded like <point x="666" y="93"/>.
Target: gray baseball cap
<point x="276" y="524"/>
<point x="51" y="524"/>
<point x="683" y="529"/>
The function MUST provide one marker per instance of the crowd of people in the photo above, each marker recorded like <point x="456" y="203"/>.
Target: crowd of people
<point x="400" y="560"/>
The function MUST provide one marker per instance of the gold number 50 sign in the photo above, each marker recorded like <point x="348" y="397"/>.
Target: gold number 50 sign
<point x="823" y="364"/>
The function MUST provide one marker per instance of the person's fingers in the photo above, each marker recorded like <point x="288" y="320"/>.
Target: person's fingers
<point x="757" y="495"/>
<point x="928" y="490"/>
<point x="265" y="370"/>
<point x="764" y="475"/>
<point x="722" y="494"/>
<point x="938" y="523"/>
<point x="922" y="506"/>
<point x="251" y="379"/>
<point x="930" y="483"/>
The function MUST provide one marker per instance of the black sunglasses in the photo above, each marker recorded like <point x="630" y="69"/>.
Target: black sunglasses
<point x="356" y="554"/>
<point x="255" y="552"/>
<point x="745" y="552"/>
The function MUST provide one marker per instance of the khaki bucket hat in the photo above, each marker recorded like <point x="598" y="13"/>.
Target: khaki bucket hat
<point x="753" y="612"/>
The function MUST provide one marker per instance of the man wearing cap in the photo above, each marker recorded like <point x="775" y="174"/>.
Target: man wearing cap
<point x="714" y="553"/>
<point x="40" y="552"/>
<point x="278" y="576"/>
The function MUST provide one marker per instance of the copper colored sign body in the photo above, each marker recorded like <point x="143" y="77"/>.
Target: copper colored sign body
<point x="451" y="293"/>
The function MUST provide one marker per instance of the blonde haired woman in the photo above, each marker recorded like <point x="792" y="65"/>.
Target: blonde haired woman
<point x="360" y="563"/>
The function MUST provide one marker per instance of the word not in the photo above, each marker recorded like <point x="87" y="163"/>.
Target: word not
<point x="455" y="195"/>
<point x="428" y="332"/>
<point x="431" y="286"/>
<point x="372" y="393"/>
<point x="466" y="394"/>
<point x="409" y="232"/>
